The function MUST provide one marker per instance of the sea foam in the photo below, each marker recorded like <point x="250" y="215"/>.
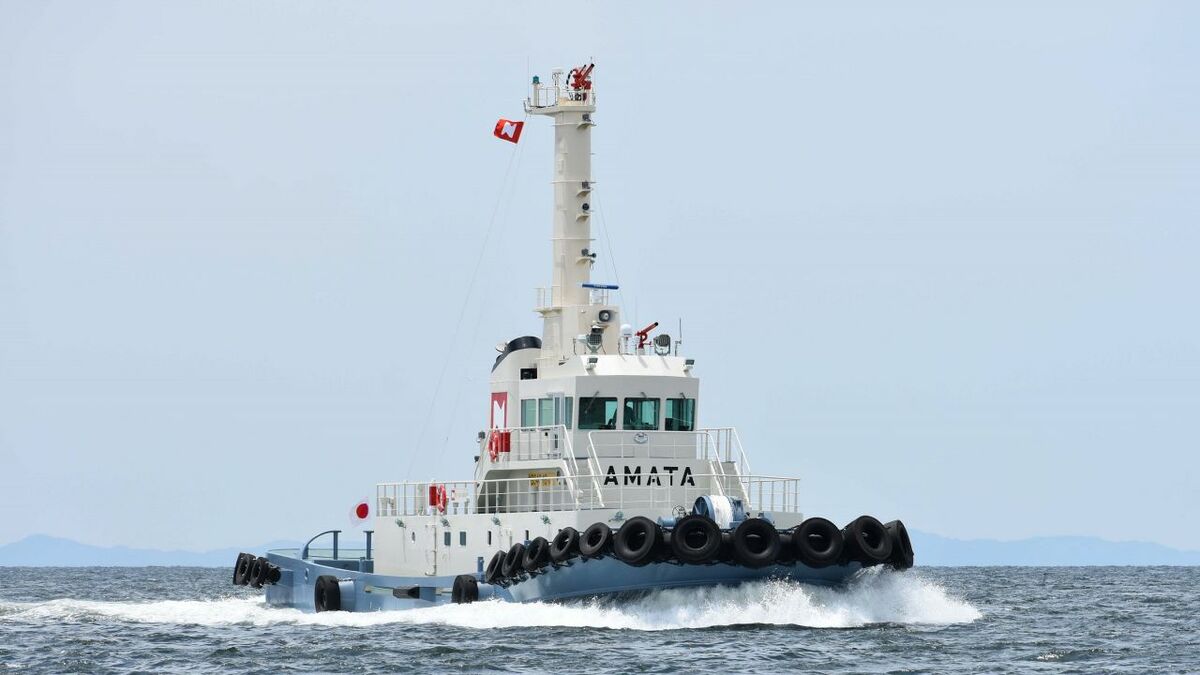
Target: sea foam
<point x="874" y="597"/>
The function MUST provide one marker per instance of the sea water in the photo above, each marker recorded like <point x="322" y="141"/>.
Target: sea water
<point x="1057" y="620"/>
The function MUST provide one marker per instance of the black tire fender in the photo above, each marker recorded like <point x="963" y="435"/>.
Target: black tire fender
<point x="513" y="560"/>
<point x="327" y="594"/>
<point x="241" y="569"/>
<point x="536" y="555"/>
<point x="696" y="540"/>
<point x="817" y="542"/>
<point x="755" y="543"/>
<point x="495" y="568"/>
<point x="787" y="553"/>
<point x="638" y="542"/>
<point x="902" y="550"/>
<point x="565" y="545"/>
<point x="260" y="571"/>
<point x="465" y="589"/>
<point x="596" y="541"/>
<point x="867" y="541"/>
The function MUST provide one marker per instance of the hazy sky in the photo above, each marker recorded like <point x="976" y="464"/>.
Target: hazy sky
<point x="939" y="259"/>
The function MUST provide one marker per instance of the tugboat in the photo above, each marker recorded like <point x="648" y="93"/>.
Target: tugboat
<point x="594" y="476"/>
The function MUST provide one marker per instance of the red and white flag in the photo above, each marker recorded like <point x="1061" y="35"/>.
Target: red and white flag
<point x="507" y="130"/>
<point x="360" y="513"/>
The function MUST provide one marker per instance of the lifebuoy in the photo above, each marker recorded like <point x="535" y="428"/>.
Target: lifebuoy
<point x="867" y="541"/>
<point x="817" y="543"/>
<point x="565" y="545"/>
<point x="596" y="541"/>
<point x="755" y="543"/>
<point x="493" y="450"/>
<point x="537" y="554"/>
<point x="696" y="539"/>
<point x="437" y="497"/>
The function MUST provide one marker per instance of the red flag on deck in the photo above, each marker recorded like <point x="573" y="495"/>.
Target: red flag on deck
<point x="507" y="130"/>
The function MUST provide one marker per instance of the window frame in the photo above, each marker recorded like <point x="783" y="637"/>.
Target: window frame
<point x="525" y="421"/>
<point x="636" y="413"/>
<point x="689" y="406"/>
<point x="602" y="400"/>
<point x="545" y="404"/>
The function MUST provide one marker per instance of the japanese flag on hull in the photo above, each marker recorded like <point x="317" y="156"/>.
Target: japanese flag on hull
<point x="507" y="130"/>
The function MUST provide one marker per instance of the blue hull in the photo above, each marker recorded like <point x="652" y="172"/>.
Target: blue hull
<point x="364" y="591"/>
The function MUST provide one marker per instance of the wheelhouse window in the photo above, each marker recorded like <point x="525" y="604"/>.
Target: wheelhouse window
<point x="597" y="412"/>
<point x="529" y="412"/>
<point x="567" y="411"/>
<point x="546" y="412"/>
<point x="681" y="414"/>
<point x="641" y="414"/>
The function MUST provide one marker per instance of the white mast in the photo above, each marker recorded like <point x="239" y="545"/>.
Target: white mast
<point x="569" y="308"/>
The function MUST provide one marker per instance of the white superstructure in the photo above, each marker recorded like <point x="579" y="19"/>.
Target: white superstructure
<point x="591" y="422"/>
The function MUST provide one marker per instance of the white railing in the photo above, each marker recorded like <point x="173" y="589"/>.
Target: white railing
<point x="545" y="298"/>
<point x="527" y="443"/>
<point x="771" y="493"/>
<point x="726" y="446"/>
<point x="542" y="493"/>
<point x="598" y="296"/>
<point x="545" y="95"/>
<point x="629" y="444"/>
<point x="539" y="444"/>
<point x="720" y="445"/>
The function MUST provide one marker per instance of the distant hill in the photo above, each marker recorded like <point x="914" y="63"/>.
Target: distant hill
<point x="40" y="550"/>
<point x="932" y="549"/>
